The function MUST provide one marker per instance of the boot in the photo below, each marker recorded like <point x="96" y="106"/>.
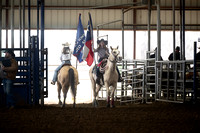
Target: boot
<point x="120" y="79"/>
<point x="98" y="80"/>
<point x="52" y="82"/>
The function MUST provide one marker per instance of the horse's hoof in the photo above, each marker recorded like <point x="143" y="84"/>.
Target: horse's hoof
<point x="108" y="106"/>
<point x="60" y="103"/>
<point x="63" y="106"/>
<point x="95" y="105"/>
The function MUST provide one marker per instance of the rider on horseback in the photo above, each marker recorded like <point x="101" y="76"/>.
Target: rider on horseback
<point x="65" y="59"/>
<point x="103" y="54"/>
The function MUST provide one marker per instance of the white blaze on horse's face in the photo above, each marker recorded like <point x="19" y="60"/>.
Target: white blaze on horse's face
<point x="116" y="53"/>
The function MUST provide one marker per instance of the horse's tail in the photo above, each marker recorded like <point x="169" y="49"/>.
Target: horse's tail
<point x="71" y="80"/>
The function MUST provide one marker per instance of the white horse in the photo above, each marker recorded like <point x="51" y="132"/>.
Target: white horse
<point x="110" y="78"/>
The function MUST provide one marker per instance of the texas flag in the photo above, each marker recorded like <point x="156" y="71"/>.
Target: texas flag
<point x="88" y="52"/>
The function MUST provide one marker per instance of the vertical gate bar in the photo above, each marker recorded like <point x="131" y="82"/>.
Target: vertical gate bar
<point x="42" y="51"/>
<point x="35" y="68"/>
<point x="161" y="71"/>
<point x="176" y="80"/>
<point x="143" y="78"/>
<point x="183" y="73"/>
<point x="168" y="92"/>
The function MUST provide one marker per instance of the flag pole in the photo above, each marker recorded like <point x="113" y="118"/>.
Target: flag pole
<point x="76" y="63"/>
<point x="76" y="58"/>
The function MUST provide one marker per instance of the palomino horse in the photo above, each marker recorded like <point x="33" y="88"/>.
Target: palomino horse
<point x="67" y="77"/>
<point x="110" y="78"/>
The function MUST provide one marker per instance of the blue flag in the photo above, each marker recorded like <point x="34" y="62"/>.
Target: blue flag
<point x="80" y="41"/>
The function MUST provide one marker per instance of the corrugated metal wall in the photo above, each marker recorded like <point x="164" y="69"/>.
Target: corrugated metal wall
<point x="63" y="14"/>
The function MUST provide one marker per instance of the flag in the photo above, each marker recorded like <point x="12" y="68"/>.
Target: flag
<point x="80" y="41"/>
<point x="88" y="52"/>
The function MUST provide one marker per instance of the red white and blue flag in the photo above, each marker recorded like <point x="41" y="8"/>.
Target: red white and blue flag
<point x="80" y="41"/>
<point x="88" y="52"/>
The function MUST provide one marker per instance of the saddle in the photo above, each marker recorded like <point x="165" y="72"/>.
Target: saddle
<point x="99" y="70"/>
<point x="102" y="66"/>
<point x="66" y="65"/>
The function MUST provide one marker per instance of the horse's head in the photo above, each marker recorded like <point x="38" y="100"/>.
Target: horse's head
<point x="115" y="54"/>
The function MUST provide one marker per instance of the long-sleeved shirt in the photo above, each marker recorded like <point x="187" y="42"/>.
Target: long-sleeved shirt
<point x="65" y="58"/>
<point x="102" y="53"/>
<point x="11" y="71"/>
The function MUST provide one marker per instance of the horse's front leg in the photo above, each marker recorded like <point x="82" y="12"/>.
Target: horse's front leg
<point x="95" y="88"/>
<point x="112" y="95"/>
<point x="94" y="91"/>
<point x="107" y="94"/>
<point x="95" y="94"/>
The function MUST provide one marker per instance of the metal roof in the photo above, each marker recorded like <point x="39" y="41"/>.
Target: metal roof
<point x="63" y="14"/>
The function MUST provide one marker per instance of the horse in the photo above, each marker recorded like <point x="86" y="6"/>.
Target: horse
<point x="67" y="77"/>
<point x="110" y="78"/>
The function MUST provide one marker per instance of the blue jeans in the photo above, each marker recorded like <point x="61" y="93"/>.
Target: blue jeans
<point x="57" y="69"/>
<point x="9" y="92"/>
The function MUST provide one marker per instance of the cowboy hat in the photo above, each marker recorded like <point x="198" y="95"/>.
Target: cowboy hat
<point x="105" y="42"/>
<point x="66" y="44"/>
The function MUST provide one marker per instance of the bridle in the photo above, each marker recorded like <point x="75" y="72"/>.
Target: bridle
<point x="115" y="58"/>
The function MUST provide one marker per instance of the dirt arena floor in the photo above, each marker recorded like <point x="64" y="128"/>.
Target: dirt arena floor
<point x="156" y="118"/>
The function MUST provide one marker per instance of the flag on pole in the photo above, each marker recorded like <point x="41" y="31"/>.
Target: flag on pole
<point x="88" y="52"/>
<point x="80" y="41"/>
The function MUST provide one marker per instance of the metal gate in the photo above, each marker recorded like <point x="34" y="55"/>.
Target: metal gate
<point x="29" y="87"/>
<point x="132" y="89"/>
